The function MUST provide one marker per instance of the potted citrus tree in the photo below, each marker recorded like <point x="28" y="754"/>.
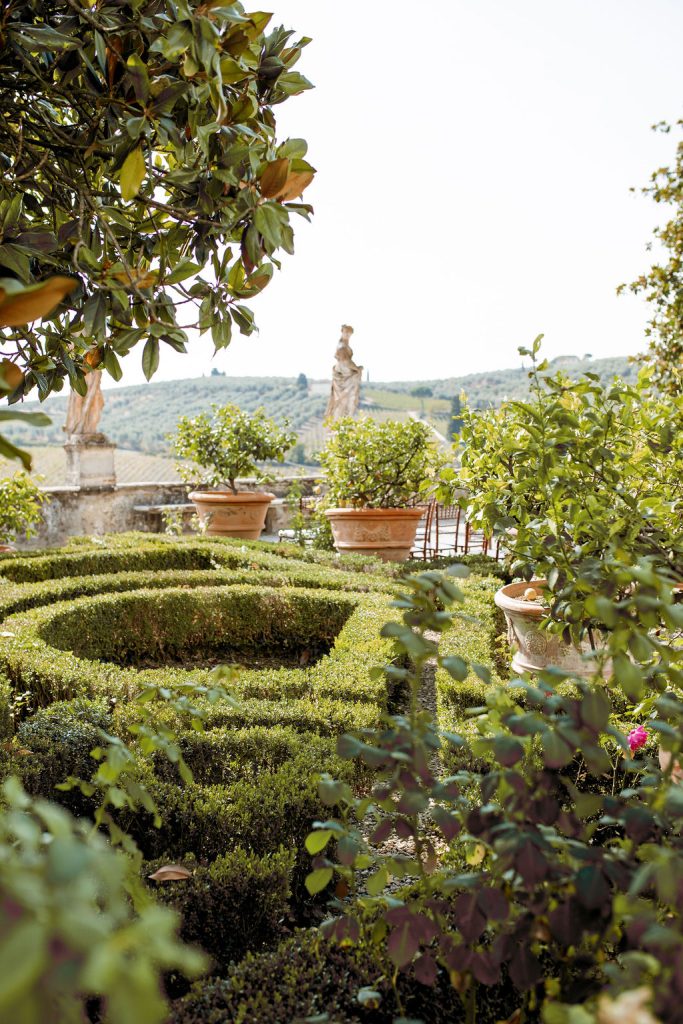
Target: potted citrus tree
<point x="376" y="472"/>
<point x="579" y="479"/>
<point x="228" y="445"/>
<point x="21" y="503"/>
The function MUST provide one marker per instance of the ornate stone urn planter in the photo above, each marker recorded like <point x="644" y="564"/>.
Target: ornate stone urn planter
<point x="388" y="533"/>
<point x="534" y="648"/>
<point x="223" y="514"/>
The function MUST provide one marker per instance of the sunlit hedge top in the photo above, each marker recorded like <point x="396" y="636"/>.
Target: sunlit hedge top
<point x="138" y="153"/>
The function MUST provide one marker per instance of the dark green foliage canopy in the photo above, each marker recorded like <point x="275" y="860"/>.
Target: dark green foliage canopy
<point x="138" y="151"/>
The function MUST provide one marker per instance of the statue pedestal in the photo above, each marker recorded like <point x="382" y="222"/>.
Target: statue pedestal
<point x="90" y="461"/>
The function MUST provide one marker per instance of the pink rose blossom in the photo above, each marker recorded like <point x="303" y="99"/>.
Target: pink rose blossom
<point x="637" y="738"/>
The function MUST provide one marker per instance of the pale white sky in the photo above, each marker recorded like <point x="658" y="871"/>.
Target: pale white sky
<point x="474" y="164"/>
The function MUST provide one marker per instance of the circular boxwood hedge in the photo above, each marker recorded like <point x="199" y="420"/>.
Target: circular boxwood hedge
<point x="54" y="652"/>
<point x="80" y="627"/>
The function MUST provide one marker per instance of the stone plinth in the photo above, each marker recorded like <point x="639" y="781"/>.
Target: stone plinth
<point x="90" y="461"/>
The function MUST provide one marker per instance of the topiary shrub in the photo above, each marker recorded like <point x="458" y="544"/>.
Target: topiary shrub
<point x="232" y="905"/>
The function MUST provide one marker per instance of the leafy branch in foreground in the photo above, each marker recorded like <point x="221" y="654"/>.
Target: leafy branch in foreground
<point x="662" y="285"/>
<point x="139" y="161"/>
<point x="76" y="921"/>
<point x="68" y="931"/>
<point x="543" y="868"/>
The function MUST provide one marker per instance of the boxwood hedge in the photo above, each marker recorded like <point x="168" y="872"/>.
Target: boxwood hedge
<point x="87" y="623"/>
<point x="77" y="622"/>
<point x="36" y="648"/>
<point x="309" y="978"/>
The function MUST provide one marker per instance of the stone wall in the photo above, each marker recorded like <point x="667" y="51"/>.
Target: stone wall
<point x="93" y="511"/>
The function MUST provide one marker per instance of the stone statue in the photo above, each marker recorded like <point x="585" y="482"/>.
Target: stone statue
<point x="83" y="412"/>
<point x="346" y="380"/>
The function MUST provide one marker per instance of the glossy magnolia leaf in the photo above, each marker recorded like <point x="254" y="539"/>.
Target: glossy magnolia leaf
<point x="296" y="182"/>
<point x="21" y="305"/>
<point x="274" y="177"/>
<point x="10" y="451"/>
<point x="171" y="873"/>
<point x="132" y="173"/>
<point x="150" y="357"/>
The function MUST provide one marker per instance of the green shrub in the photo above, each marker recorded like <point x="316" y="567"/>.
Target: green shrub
<point x="170" y="624"/>
<point x="6" y="708"/>
<point x="56" y="742"/>
<point x="144" y="552"/>
<point x="21" y="503"/>
<point x="20" y="597"/>
<point x="96" y="561"/>
<point x="276" y="809"/>
<point x="227" y="444"/>
<point x="472" y="637"/>
<point x="233" y="904"/>
<point x="378" y="464"/>
<point x="311" y="978"/>
<point x="226" y="756"/>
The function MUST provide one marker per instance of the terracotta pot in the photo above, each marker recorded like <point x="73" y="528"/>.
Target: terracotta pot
<point x="386" y="532"/>
<point x="536" y="649"/>
<point x="232" y="515"/>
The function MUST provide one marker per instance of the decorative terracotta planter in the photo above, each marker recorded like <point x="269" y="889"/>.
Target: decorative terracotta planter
<point x="536" y="649"/>
<point x="232" y="515"/>
<point x="388" y="533"/>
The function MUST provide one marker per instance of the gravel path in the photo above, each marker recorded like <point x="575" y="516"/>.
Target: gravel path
<point x="395" y="845"/>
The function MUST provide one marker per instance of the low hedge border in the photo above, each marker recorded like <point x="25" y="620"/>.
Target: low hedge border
<point x="245" y="817"/>
<point x="16" y="598"/>
<point x="239" y="828"/>
<point x="34" y="663"/>
<point x="308" y="978"/>
<point x="150" y="552"/>
<point x="319" y="716"/>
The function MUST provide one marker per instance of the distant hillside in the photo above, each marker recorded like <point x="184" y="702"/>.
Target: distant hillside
<point x="495" y="386"/>
<point x="139" y="418"/>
